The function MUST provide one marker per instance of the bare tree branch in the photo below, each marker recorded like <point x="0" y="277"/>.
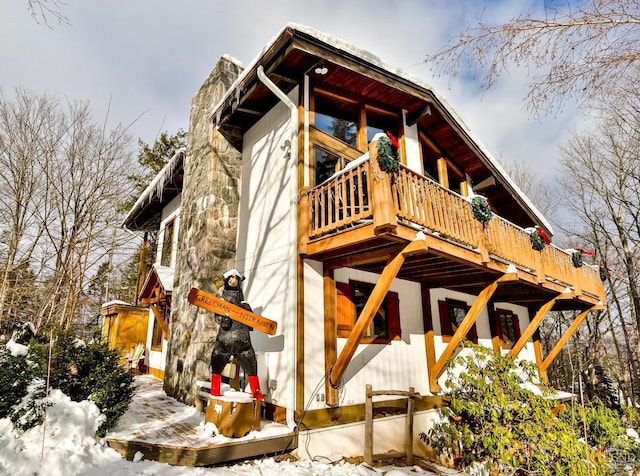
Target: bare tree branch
<point x="44" y="10"/>
<point x="574" y="53"/>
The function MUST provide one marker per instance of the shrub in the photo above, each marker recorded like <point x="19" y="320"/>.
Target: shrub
<point x="15" y="375"/>
<point x="605" y="429"/>
<point x="494" y="419"/>
<point x="86" y="372"/>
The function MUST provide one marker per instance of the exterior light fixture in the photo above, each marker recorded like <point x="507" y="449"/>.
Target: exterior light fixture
<point x="321" y="69"/>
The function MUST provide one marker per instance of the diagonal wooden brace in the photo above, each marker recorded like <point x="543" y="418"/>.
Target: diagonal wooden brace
<point x="370" y="308"/>
<point x="468" y="321"/>
<point x="564" y="339"/>
<point x="533" y="325"/>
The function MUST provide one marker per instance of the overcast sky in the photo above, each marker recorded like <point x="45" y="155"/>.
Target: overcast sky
<point x="147" y="58"/>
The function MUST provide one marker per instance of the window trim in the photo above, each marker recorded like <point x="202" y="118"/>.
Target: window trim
<point x="498" y="327"/>
<point x="346" y="318"/>
<point x="156" y="335"/>
<point x="169" y="224"/>
<point x="446" y="329"/>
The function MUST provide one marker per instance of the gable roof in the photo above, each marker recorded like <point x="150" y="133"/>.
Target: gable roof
<point x="297" y="49"/>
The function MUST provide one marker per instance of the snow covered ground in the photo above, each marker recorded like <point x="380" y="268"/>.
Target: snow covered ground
<point x="65" y="446"/>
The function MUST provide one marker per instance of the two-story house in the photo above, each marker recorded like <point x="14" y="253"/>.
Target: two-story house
<point x="374" y="275"/>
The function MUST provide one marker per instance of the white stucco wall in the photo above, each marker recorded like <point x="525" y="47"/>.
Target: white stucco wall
<point x="397" y="365"/>
<point x="169" y="212"/>
<point x="482" y="324"/>
<point x="266" y="242"/>
<point x="412" y="145"/>
<point x="394" y="366"/>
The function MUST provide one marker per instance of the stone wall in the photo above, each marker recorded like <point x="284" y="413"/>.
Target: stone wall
<point x="207" y="236"/>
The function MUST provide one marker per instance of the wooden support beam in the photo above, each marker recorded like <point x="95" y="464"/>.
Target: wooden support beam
<point x="370" y="308"/>
<point x="537" y="349"/>
<point x="532" y="327"/>
<point x="565" y="338"/>
<point x="443" y="175"/>
<point x="330" y="333"/>
<point x="427" y="317"/>
<point x="163" y="324"/>
<point x="468" y="321"/>
<point x="304" y="220"/>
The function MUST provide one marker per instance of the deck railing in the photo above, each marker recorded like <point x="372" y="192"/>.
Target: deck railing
<point x="341" y="201"/>
<point x="353" y="197"/>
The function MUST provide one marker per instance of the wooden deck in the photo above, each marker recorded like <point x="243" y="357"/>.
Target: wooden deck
<point x="164" y="430"/>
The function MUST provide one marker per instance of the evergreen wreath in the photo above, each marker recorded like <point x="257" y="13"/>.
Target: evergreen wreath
<point x="537" y="243"/>
<point x="576" y="257"/>
<point x="604" y="274"/>
<point x="388" y="155"/>
<point x="481" y="210"/>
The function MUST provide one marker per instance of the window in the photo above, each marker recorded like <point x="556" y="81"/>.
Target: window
<point x="452" y="312"/>
<point x="507" y="327"/>
<point x="156" y="339"/>
<point x="382" y="121"/>
<point x="337" y="117"/>
<point x="167" y="244"/>
<point x="351" y="299"/>
<point x="326" y="164"/>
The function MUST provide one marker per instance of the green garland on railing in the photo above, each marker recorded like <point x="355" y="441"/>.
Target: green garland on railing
<point x="576" y="257"/>
<point x="387" y="156"/>
<point x="481" y="210"/>
<point x="537" y="243"/>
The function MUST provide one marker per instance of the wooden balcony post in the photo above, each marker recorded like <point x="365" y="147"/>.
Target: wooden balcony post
<point x="384" y="215"/>
<point x="330" y="333"/>
<point x="304" y="221"/>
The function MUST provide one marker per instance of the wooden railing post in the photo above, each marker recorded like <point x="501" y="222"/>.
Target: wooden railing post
<point x="384" y="214"/>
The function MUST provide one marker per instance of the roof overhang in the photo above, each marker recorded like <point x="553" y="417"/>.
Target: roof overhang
<point x="146" y="212"/>
<point x="295" y="52"/>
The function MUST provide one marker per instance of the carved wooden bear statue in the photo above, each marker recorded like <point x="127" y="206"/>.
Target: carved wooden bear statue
<point x="233" y="339"/>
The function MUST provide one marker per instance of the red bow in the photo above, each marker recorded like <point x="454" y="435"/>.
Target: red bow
<point x="543" y="235"/>
<point x="393" y="140"/>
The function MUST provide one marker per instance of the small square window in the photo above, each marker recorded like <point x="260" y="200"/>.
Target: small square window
<point x="507" y="327"/>
<point x="351" y="299"/>
<point x="452" y="313"/>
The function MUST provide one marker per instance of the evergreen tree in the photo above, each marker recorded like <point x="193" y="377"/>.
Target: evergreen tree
<point x="151" y="160"/>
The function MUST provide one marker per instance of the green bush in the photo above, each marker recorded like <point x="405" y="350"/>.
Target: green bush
<point x="605" y="429"/>
<point x="495" y="420"/>
<point x="15" y="375"/>
<point x="88" y="371"/>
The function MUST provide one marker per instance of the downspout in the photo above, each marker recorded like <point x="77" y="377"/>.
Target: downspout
<point x="290" y="413"/>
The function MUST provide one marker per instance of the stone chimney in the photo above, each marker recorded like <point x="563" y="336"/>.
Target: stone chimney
<point x="207" y="235"/>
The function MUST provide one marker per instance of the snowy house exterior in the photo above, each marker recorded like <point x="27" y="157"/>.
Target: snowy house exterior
<point x="374" y="276"/>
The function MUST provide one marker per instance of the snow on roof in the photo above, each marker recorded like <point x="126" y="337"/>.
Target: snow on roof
<point x="154" y="189"/>
<point x="165" y="275"/>
<point x="117" y="301"/>
<point x="376" y="61"/>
